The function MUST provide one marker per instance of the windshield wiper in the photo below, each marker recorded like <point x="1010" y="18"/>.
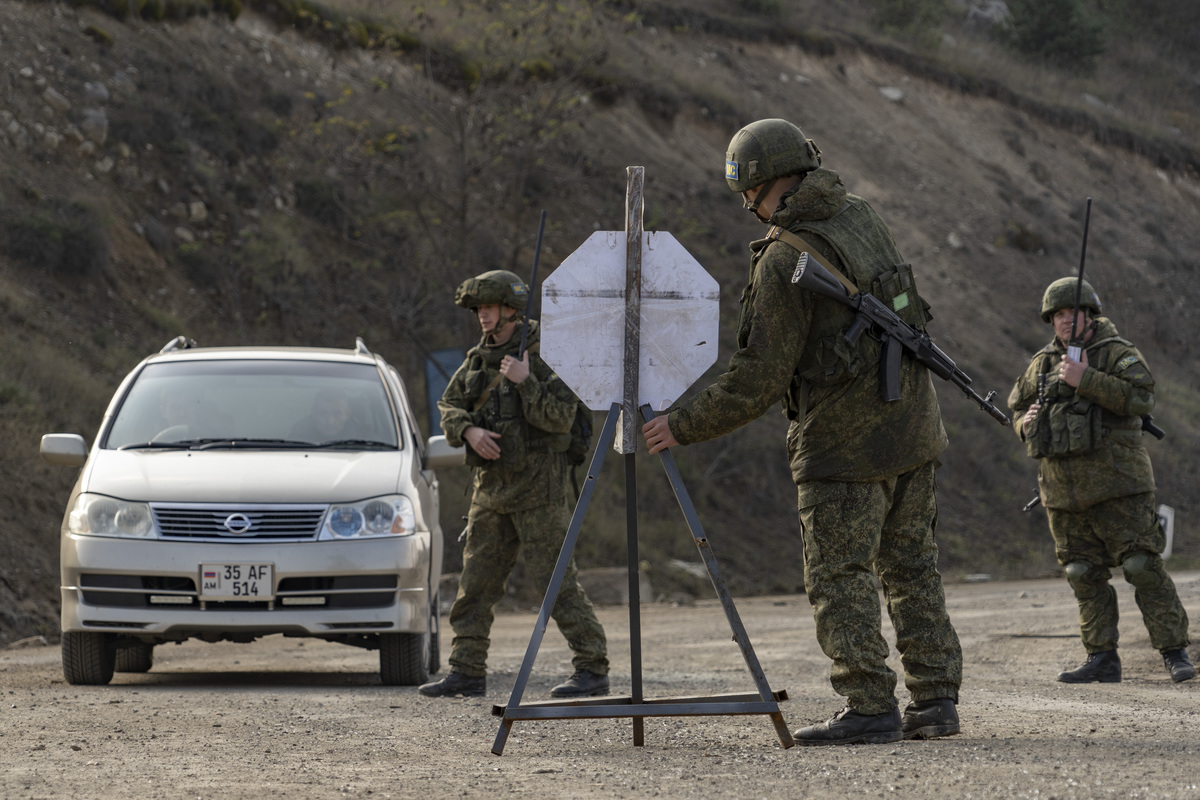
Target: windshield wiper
<point x="234" y="443"/>
<point x="156" y="446"/>
<point x="355" y="443"/>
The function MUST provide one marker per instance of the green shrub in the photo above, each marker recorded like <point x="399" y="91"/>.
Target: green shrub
<point x="64" y="238"/>
<point x="98" y="35"/>
<point x="908" y="16"/>
<point x="1059" y="32"/>
<point x="322" y="201"/>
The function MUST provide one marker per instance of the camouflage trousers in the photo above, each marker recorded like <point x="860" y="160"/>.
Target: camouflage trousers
<point x="492" y="546"/>
<point x="1105" y="536"/>
<point x="854" y="532"/>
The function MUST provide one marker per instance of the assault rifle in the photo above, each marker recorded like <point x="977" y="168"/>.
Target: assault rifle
<point x="896" y="335"/>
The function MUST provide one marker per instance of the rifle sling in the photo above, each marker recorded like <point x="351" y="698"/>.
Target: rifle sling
<point x="487" y="390"/>
<point x="787" y="237"/>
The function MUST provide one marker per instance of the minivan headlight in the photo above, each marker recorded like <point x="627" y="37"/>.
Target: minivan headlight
<point x="97" y="515"/>
<point x="380" y="516"/>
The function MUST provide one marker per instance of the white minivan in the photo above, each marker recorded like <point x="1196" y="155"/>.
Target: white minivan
<point x="237" y="492"/>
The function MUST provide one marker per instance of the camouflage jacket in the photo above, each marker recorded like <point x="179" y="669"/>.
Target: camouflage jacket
<point x="1088" y="440"/>
<point x="790" y="350"/>
<point x="533" y="418"/>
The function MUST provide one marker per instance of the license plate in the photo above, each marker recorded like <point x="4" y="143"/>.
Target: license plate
<point x="247" y="582"/>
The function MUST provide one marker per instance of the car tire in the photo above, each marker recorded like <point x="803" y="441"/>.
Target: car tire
<point x="88" y="658"/>
<point x="404" y="658"/>
<point x="134" y="657"/>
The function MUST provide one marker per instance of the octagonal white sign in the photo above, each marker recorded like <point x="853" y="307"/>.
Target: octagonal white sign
<point x="583" y="320"/>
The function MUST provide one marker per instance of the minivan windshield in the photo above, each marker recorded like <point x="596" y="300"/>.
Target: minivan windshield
<point x="255" y="403"/>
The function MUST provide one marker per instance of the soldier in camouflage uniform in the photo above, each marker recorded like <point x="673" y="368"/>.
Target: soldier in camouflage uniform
<point x="1082" y="420"/>
<point x="514" y="415"/>
<point x="864" y="468"/>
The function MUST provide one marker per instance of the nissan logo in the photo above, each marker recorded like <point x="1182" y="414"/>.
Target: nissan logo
<point x="238" y="524"/>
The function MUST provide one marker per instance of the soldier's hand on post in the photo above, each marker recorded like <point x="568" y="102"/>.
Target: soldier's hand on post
<point x="657" y="433"/>
<point x="483" y="442"/>
<point x="516" y="371"/>
<point x="1071" y="371"/>
<point x="1030" y="416"/>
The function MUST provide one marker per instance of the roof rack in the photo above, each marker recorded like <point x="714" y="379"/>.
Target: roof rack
<point x="360" y="346"/>
<point x="178" y="343"/>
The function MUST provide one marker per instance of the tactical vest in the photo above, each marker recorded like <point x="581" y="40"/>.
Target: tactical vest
<point x="497" y="408"/>
<point x="872" y="262"/>
<point x="1070" y="425"/>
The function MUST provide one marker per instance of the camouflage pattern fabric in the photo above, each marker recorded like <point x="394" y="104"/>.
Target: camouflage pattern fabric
<point x="1119" y="383"/>
<point x="1100" y="503"/>
<point x="888" y="525"/>
<point x="519" y="503"/>
<point x="493" y="542"/>
<point x="785" y="333"/>
<point x="864" y="468"/>
<point x="1104" y="536"/>
<point x="535" y="417"/>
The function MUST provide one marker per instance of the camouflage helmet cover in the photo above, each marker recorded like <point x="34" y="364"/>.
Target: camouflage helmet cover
<point x="494" y="286"/>
<point x="1061" y="294"/>
<point x="768" y="149"/>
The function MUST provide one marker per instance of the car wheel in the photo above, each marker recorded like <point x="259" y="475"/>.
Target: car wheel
<point x="88" y="658"/>
<point x="404" y="658"/>
<point x="134" y="657"/>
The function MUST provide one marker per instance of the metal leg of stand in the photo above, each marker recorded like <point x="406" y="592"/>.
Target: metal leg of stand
<point x="560" y="571"/>
<point x="710" y="561"/>
<point x="635" y="599"/>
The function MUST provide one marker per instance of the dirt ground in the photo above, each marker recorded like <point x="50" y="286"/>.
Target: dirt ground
<point x="298" y="718"/>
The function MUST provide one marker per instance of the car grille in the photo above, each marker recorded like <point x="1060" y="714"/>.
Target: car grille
<point x="255" y="523"/>
<point x="335" y="592"/>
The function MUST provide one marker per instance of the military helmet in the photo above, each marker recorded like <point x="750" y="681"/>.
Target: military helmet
<point x="768" y="149"/>
<point x="1061" y="294"/>
<point x="494" y="286"/>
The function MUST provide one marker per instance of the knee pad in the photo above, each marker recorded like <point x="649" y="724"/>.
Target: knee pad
<point x="1075" y="572"/>
<point x="1140" y="570"/>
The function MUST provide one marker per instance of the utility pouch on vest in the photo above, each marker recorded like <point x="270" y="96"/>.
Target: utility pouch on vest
<point x="897" y="289"/>
<point x="513" y="450"/>
<point x="1066" y="429"/>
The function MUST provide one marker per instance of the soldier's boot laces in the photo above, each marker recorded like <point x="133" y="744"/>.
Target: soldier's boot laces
<point x="850" y="727"/>
<point x="1099" y="668"/>
<point x="930" y="719"/>
<point x="455" y="684"/>
<point x="583" y="683"/>
<point x="1179" y="665"/>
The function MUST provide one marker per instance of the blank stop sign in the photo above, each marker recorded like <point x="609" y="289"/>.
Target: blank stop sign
<point x="583" y="320"/>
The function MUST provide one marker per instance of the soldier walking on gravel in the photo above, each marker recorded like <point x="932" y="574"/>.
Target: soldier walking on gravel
<point x="864" y="468"/>
<point x="514" y="415"/>
<point x="1082" y="421"/>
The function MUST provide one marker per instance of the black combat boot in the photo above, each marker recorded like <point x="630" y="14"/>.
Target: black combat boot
<point x="1178" y="664"/>
<point x="850" y="727"/>
<point x="1099" y="668"/>
<point x="929" y="719"/>
<point x="455" y="684"/>
<point x="584" y="683"/>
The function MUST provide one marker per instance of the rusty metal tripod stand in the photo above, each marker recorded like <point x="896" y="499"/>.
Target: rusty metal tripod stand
<point x="635" y="705"/>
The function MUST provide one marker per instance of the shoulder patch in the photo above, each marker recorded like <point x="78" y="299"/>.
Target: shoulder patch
<point x="1126" y="362"/>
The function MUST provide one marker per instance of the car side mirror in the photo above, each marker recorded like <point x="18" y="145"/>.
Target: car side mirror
<point x="440" y="454"/>
<point x="64" y="449"/>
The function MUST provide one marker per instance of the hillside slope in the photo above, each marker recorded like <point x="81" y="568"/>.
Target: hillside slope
<point x="242" y="182"/>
